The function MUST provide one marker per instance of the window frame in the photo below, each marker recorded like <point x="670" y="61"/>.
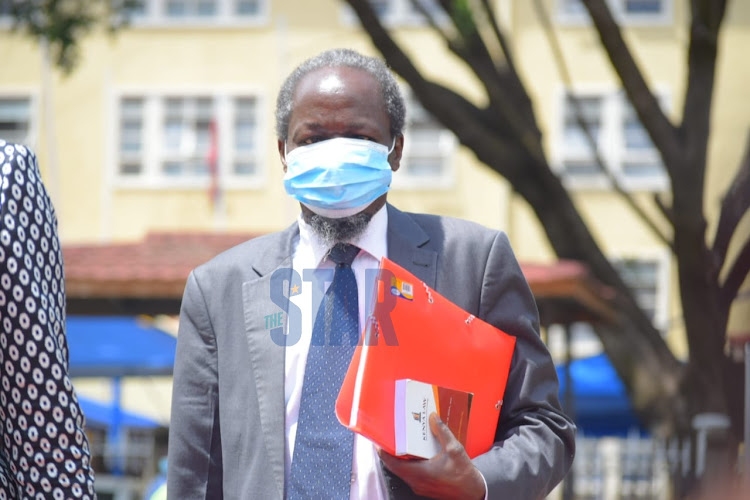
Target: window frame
<point x="661" y="258"/>
<point x="400" y="15"/>
<point x="447" y="143"/>
<point x="611" y="142"/>
<point x="154" y="152"/>
<point x="6" y="20"/>
<point x="156" y="16"/>
<point x="581" y="18"/>
<point x="12" y="93"/>
<point x="584" y="341"/>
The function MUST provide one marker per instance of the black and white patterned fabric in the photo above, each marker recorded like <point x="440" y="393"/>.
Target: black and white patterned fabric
<point x="44" y="453"/>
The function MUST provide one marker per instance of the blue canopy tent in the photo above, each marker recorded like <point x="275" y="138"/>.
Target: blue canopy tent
<point x="118" y="346"/>
<point x="600" y="404"/>
<point x="101" y="415"/>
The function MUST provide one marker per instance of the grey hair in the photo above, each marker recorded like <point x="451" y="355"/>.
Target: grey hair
<point x="336" y="58"/>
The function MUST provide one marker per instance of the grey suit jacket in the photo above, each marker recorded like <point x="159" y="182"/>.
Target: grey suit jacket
<point x="226" y="437"/>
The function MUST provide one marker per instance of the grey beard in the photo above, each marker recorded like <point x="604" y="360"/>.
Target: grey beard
<point x="342" y="230"/>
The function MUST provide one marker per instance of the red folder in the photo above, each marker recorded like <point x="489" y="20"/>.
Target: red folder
<point x="415" y="333"/>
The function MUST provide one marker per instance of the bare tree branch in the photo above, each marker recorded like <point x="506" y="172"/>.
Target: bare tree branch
<point x="707" y="16"/>
<point x="735" y="204"/>
<point x="436" y="26"/>
<point x="666" y="211"/>
<point x="662" y="386"/>
<point x="562" y="67"/>
<point x="488" y="135"/>
<point x="469" y="123"/>
<point x="503" y="86"/>
<point x="509" y="73"/>
<point x="684" y="153"/>
<point x="736" y="276"/>
<point x="499" y="35"/>
<point x="661" y="131"/>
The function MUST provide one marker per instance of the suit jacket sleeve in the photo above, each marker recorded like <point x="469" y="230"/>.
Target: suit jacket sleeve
<point x="195" y="461"/>
<point x="535" y="441"/>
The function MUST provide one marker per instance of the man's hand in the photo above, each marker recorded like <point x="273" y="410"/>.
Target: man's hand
<point x="448" y="475"/>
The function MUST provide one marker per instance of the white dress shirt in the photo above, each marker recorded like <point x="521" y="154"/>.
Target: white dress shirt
<point x="308" y="253"/>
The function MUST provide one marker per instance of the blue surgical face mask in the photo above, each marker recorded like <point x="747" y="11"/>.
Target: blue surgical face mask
<point x="338" y="177"/>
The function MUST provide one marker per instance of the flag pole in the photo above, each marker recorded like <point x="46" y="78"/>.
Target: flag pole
<point x="215" y="192"/>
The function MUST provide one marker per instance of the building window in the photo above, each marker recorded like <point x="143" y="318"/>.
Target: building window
<point x="648" y="279"/>
<point x="186" y="130"/>
<point x="247" y="7"/>
<point x="245" y="137"/>
<point x="402" y="12"/>
<point x="197" y="8"/>
<point x="131" y="136"/>
<point x="630" y="12"/>
<point x="15" y="119"/>
<point x="200" y="12"/>
<point x="571" y="7"/>
<point x="428" y="149"/>
<point x="643" y="6"/>
<point x="645" y="279"/>
<point x="168" y="140"/>
<point x="5" y="8"/>
<point x="622" y="143"/>
<point x="579" y="159"/>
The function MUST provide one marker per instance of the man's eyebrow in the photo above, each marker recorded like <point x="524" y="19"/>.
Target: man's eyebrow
<point x="353" y="126"/>
<point x="312" y="125"/>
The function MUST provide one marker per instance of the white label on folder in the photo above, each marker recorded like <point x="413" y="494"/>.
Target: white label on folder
<point x="415" y="402"/>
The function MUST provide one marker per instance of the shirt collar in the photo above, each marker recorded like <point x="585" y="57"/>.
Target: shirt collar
<point x="372" y="240"/>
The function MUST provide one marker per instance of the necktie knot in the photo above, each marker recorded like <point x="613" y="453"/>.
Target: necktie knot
<point x="343" y="254"/>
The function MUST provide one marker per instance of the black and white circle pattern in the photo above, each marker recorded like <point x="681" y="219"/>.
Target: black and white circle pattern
<point x="44" y="452"/>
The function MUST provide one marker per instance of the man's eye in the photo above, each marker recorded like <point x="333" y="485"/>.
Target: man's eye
<point x="310" y="140"/>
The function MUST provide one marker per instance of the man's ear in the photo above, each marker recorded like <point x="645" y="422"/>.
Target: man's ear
<point x="282" y="153"/>
<point x="395" y="157"/>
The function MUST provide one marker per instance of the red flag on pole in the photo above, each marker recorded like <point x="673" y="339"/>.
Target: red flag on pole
<point x="213" y="163"/>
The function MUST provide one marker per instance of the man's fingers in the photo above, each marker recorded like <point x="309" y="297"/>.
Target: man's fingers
<point x="441" y="431"/>
<point x="400" y="465"/>
<point x="386" y="458"/>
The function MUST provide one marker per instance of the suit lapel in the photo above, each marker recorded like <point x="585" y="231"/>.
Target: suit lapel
<point x="268" y="357"/>
<point x="405" y="241"/>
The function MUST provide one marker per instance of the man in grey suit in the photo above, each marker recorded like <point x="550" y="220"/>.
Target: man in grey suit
<point x="249" y="316"/>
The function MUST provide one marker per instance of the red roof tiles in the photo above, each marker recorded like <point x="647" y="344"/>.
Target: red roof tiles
<point x="155" y="267"/>
<point x="158" y="266"/>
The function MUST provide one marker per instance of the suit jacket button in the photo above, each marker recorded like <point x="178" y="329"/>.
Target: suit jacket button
<point x="353" y="478"/>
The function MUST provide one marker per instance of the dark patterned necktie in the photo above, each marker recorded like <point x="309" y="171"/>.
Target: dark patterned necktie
<point x="322" y="462"/>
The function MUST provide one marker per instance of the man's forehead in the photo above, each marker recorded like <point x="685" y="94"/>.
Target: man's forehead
<point x="347" y="99"/>
<point x="337" y="79"/>
<point x="331" y="83"/>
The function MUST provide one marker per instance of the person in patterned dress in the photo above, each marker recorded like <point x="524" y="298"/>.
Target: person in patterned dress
<point x="44" y="452"/>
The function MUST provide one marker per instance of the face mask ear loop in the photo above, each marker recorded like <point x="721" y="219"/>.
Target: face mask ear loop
<point x="284" y="149"/>
<point x="393" y="146"/>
